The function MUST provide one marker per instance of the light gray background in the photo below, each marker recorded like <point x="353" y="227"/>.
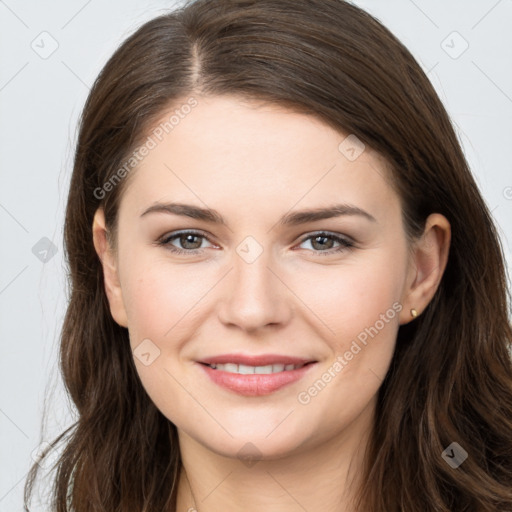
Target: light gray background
<point x="41" y="98"/>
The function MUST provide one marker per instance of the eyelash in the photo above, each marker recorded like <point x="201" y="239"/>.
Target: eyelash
<point x="165" y="242"/>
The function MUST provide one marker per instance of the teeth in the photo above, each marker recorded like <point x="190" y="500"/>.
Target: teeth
<point x="243" y="369"/>
<point x="263" y="369"/>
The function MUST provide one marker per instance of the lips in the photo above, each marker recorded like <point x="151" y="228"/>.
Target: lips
<point x="255" y="375"/>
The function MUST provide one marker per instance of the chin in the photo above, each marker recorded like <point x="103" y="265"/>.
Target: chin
<point x="252" y="443"/>
<point x="251" y="450"/>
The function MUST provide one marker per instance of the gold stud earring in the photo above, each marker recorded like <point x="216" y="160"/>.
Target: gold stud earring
<point x="414" y="313"/>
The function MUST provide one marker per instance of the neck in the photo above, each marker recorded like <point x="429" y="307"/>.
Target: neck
<point x="323" y="477"/>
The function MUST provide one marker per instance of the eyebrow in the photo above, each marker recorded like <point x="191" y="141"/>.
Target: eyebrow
<point x="289" y="219"/>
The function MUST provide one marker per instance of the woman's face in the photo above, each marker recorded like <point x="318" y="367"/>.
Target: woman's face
<point x="263" y="283"/>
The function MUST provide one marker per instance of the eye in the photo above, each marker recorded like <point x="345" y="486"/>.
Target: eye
<point x="191" y="242"/>
<point x="323" y="241"/>
<point x="188" y="240"/>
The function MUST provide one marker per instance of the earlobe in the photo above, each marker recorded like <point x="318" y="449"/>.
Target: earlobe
<point x="110" y="269"/>
<point x="429" y="260"/>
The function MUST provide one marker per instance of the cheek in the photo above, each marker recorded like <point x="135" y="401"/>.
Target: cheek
<point x="363" y="311"/>
<point x="160" y="297"/>
<point x="350" y="298"/>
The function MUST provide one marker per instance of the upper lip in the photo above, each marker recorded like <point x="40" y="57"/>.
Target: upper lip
<point x="257" y="360"/>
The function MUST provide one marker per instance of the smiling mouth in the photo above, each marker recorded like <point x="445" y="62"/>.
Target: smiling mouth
<point x="243" y="369"/>
<point x="249" y="380"/>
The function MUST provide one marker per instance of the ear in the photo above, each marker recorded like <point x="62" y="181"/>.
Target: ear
<point x="110" y="269"/>
<point x="427" y="265"/>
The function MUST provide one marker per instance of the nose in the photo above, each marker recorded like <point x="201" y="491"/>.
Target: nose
<point x="254" y="295"/>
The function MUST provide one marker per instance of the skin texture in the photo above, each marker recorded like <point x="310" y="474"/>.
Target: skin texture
<point x="254" y="163"/>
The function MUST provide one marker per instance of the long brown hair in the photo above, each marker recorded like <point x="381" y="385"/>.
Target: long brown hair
<point x="450" y="379"/>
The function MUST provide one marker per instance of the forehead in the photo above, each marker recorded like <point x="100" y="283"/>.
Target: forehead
<point x="239" y="152"/>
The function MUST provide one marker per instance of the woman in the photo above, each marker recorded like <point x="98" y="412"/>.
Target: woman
<point x="248" y="371"/>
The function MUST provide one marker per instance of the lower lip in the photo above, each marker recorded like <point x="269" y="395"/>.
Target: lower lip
<point x="255" y="384"/>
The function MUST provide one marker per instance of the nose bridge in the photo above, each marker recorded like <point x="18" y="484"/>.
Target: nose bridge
<point x="254" y="295"/>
